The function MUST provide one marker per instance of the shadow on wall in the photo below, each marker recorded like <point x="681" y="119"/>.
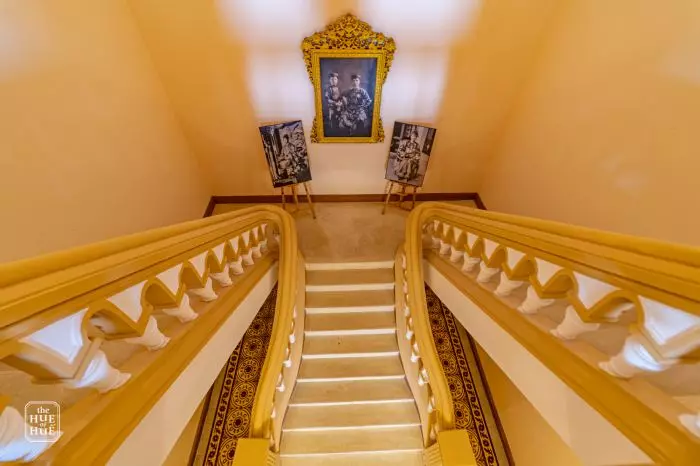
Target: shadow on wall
<point x="231" y="65"/>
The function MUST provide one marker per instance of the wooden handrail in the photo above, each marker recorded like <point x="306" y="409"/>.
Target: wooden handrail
<point x="600" y="274"/>
<point x="106" y="279"/>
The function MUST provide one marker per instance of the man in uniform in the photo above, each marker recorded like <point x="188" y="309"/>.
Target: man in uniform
<point x="334" y="101"/>
<point x="356" y="104"/>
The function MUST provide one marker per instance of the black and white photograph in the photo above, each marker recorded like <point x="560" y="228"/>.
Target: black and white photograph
<point x="348" y="96"/>
<point x="286" y="154"/>
<point x="409" y="153"/>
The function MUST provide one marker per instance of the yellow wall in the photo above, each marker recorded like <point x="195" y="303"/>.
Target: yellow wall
<point x="531" y="439"/>
<point x="89" y="147"/>
<point x="606" y="133"/>
<point x="231" y="65"/>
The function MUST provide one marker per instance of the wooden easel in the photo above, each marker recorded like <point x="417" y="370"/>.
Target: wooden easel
<point x="390" y="185"/>
<point x="295" y="195"/>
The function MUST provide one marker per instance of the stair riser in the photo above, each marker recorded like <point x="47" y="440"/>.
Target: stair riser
<point x="350" y="287"/>
<point x="345" y="310"/>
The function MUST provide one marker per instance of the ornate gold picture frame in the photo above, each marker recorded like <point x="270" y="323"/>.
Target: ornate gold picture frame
<point x="348" y="63"/>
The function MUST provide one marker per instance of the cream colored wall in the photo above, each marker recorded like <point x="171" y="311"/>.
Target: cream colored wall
<point x="231" y="65"/>
<point x="531" y="439"/>
<point x="606" y="132"/>
<point x="89" y="147"/>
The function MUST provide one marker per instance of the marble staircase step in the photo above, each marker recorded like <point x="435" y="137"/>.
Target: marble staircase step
<point x="305" y="418"/>
<point x="404" y="438"/>
<point x="389" y="458"/>
<point x="324" y="302"/>
<point x="339" y="346"/>
<point x="350" y="280"/>
<point x="385" y="367"/>
<point x="351" y="323"/>
<point x="374" y="392"/>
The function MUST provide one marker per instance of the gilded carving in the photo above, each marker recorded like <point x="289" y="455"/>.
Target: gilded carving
<point x="353" y="114"/>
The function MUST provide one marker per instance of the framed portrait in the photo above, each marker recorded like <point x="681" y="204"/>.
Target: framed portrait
<point x="348" y="63"/>
<point x="286" y="154"/>
<point x="409" y="153"/>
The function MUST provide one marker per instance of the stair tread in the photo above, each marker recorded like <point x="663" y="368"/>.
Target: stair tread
<point x="349" y="277"/>
<point x="350" y="321"/>
<point x="403" y="458"/>
<point x="351" y="367"/>
<point x="349" y="344"/>
<point x="349" y="299"/>
<point x="354" y="440"/>
<point x="351" y="391"/>
<point x="304" y="417"/>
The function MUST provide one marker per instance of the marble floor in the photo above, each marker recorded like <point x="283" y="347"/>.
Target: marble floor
<point x="346" y="231"/>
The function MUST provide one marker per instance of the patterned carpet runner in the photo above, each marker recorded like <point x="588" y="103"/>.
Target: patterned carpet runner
<point x="473" y="410"/>
<point x="231" y="398"/>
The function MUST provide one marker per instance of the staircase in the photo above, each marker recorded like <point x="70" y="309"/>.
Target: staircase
<point x="352" y="404"/>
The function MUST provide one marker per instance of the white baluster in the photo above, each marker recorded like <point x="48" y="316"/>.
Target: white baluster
<point x="223" y="278"/>
<point x="236" y="266"/>
<point x="431" y="404"/>
<point x="506" y="286"/>
<point x="248" y="257"/>
<point x="421" y="380"/>
<point x="205" y="294"/>
<point x="57" y="347"/>
<point x="183" y="311"/>
<point x="152" y="338"/>
<point x="470" y="263"/>
<point x="100" y="375"/>
<point x="280" y="384"/>
<point x="256" y="251"/>
<point x="415" y="354"/>
<point x="424" y="374"/>
<point x="633" y="359"/>
<point x="445" y="247"/>
<point x="572" y="326"/>
<point x="456" y="254"/>
<point x="533" y="302"/>
<point x="691" y="422"/>
<point x="13" y="444"/>
<point x="287" y="358"/>
<point x="486" y="273"/>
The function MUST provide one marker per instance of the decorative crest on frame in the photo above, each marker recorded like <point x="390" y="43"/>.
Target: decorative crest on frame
<point x="349" y="33"/>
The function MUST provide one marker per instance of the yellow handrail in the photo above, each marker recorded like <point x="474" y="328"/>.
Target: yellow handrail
<point x="639" y="268"/>
<point x="37" y="292"/>
<point x="444" y="410"/>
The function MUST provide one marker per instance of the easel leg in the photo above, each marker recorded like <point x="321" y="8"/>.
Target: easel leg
<point x="389" y="185"/>
<point x="413" y="205"/>
<point x="284" y="203"/>
<point x="308" y="198"/>
<point x="296" y="198"/>
<point x="402" y="195"/>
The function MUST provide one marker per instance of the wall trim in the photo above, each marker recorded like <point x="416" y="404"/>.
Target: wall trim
<point x="277" y="199"/>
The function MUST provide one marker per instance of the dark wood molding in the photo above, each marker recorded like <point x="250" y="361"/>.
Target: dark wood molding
<point x="489" y="395"/>
<point x="277" y="199"/>
<point x="210" y="207"/>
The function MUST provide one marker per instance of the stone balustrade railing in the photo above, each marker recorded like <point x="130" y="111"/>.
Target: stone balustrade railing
<point x="59" y="313"/>
<point x="594" y="287"/>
